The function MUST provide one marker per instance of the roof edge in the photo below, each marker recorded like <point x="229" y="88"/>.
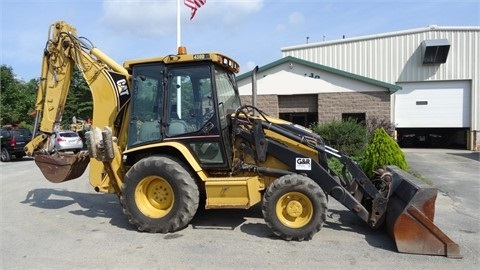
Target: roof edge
<point x="392" y="88"/>
<point x="388" y="34"/>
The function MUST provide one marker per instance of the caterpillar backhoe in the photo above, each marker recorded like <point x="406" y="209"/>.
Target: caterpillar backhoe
<point x="169" y="135"/>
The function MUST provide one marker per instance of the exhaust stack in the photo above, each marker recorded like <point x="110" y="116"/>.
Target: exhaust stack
<point x="254" y="89"/>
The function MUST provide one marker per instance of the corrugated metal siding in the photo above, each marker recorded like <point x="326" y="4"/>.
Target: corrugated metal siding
<point x="397" y="58"/>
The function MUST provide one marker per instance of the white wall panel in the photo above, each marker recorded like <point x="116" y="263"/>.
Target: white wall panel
<point x="433" y="104"/>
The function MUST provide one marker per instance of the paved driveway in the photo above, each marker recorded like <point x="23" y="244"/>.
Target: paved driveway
<point x="456" y="174"/>
<point x="57" y="226"/>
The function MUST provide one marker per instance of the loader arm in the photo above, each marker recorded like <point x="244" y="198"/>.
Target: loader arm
<point x="319" y="172"/>
<point x="393" y="197"/>
<point x="109" y="86"/>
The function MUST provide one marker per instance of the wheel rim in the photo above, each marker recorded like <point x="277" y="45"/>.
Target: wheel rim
<point x="294" y="209"/>
<point x="154" y="196"/>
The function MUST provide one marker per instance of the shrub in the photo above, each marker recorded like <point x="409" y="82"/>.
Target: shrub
<point x="347" y="136"/>
<point x="373" y="123"/>
<point x="382" y="151"/>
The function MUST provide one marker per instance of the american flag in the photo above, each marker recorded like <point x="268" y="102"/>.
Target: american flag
<point x="194" y="5"/>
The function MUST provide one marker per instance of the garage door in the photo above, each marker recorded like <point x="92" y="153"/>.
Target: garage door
<point x="433" y="104"/>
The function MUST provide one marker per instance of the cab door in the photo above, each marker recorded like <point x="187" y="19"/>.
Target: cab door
<point x="192" y="114"/>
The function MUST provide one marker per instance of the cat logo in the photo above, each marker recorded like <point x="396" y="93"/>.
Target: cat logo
<point x="303" y="164"/>
<point x="122" y="87"/>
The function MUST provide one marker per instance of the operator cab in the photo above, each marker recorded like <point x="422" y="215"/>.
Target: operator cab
<point x="187" y="101"/>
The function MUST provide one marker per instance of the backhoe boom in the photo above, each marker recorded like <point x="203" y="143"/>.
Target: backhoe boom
<point x="109" y="85"/>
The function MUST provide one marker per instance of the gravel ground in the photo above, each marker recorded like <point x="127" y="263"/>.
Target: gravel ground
<point x="68" y="225"/>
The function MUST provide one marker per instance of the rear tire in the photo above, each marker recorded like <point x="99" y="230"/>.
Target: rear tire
<point x="159" y="195"/>
<point x="294" y="207"/>
<point x="5" y="156"/>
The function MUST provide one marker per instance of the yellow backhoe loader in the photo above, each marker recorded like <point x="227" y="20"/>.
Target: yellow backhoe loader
<point x="169" y="134"/>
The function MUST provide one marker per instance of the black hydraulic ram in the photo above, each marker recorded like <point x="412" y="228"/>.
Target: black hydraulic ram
<point x="324" y="178"/>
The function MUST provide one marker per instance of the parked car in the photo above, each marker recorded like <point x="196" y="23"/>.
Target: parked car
<point x="68" y="141"/>
<point x="13" y="141"/>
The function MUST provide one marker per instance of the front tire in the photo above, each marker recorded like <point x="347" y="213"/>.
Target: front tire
<point x="159" y="195"/>
<point x="6" y="157"/>
<point x="294" y="207"/>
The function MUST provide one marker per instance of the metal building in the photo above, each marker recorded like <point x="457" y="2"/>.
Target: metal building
<point x="306" y="93"/>
<point x="438" y="69"/>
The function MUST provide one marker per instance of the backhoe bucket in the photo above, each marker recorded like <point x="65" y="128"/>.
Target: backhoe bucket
<point x="409" y="217"/>
<point x="62" y="167"/>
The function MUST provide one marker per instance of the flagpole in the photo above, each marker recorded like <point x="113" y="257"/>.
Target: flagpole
<point x="178" y="25"/>
<point x="179" y="81"/>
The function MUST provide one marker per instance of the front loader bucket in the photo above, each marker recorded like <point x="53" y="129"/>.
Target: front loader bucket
<point x="62" y="167"/>
<point x="409" y="217"/>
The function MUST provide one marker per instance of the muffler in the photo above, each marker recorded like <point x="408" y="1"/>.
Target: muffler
<point x="59" y="168"/>
<point x="410" y="214"/>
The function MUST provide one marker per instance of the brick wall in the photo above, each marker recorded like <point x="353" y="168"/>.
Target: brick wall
<point x="328" y="105"/>
<point x="298" y="103"/>
<point x="373" y="104"/>
<point x="266" y="103"/>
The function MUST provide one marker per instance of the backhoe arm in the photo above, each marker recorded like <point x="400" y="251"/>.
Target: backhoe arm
<point x="109" y="85"/>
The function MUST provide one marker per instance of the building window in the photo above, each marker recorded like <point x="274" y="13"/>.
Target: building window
<point x="303" y="119"/>
<point x="358" y="117"/>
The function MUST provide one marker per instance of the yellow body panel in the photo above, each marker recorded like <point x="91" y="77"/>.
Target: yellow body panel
<point x="298" y="147"/>
<point x="233" y="192"/>
<point x="100" y="178"/>
<point x="180" y="147"/>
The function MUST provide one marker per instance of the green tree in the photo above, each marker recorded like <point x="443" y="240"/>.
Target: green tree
<point x="17" y="98"/>
<point x="382" y="151"/>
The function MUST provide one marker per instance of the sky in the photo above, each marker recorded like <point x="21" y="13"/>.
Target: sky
<point x="250" y="31"/>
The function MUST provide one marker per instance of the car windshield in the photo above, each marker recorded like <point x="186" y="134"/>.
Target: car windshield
<point x="17" y="132"/>
<point x="68" y="134"/>
<point x="24" y="132"/>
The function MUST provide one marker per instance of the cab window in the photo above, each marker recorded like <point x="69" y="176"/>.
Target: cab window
<point x="190" y="103"/>
<point x="147" y="103"/>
